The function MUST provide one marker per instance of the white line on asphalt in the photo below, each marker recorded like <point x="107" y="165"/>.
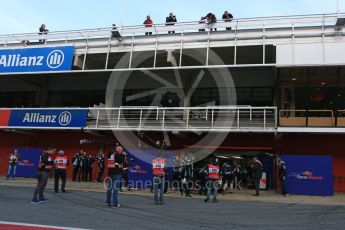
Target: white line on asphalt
<point x="42" y="226"/>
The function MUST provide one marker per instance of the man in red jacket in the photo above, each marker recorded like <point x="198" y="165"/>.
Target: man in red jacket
<point x="159" y="168"/>
<point x="213" y="180"/>
<point x="148" y="23"/>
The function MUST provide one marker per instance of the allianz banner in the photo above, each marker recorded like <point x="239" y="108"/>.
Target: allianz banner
<point x="48" y="118"/>
<point x="309" y="175"/>
<point x="36" y="59"/>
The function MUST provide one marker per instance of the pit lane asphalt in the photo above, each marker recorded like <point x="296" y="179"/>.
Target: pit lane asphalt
<point x="87" y="210"/>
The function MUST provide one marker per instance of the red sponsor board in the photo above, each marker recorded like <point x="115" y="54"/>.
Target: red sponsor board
<point x="5" y="117"/>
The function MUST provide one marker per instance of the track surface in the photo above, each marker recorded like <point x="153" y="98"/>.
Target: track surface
<point x="87" y="210"/>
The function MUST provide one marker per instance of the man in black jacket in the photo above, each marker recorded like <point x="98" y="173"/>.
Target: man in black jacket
<point x="170" y="21"/>
<point x="101" y="164"/>
<point x="83" y="168"/>
<point x="227" y="17"/>
<point x="282" y="177"/>
<point x="256" y="174"/>
<point x="125" y="175"/>
<point x="116" y="163"/>
<point x="226" y="173"/>
<point x="187" y="176"/>
<point x="76" y="164"/>
<point x="45" y="165"/>
<point x="90" y="161"/>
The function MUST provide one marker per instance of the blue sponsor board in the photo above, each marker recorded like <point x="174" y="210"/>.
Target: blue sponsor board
<point x="36" y="59"/>
<point x="140" y="168"/>
<point x="309" y="175"/>
<point x="48" y="118"/>
<point x="28" y="162"/>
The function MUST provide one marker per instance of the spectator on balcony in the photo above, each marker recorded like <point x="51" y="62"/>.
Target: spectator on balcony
<point x="43" y="30"/>
<point x="227" y="17"/>
<point x="170" y="21"/>
<point x="148" y="23"/>
<point x="115" y="33"/>
<point x="211" y="20"/>
<point x="202" y="21"/>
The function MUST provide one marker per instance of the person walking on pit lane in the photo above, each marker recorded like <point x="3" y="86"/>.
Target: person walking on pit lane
<point x="45" y="165"/>
<point x="60" y="163"/>
<point x="226" y="176"/>
<point x="159" y="166"/>
<point x="116" y="163"/>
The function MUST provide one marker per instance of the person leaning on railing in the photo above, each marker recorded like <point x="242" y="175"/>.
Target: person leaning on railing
<point x="43" y="30"/>
<point x="211" y="20"/>
<point x="227" y="17"/>
<point x="115" y="33"/>
<point x="148" y="23"/>
<point x="170" y="21"/>
<point x="202" y="21"/>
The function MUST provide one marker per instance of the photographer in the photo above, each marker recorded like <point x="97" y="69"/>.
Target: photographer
<point x="170" y="21"/>
<point x="43" y="30"/>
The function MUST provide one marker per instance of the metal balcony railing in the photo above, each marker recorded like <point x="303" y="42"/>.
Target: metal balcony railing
<point x="264" y="31"/>
<point x="213" y="118"/>
<point x="269" y="26"/>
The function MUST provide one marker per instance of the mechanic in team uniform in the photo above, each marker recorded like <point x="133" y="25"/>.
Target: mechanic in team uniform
<point x="12" y="165"/>
<point x="159" y="165"/>
<point x="44" y="167"/>
<point x="60" y="163"/>
<point x="212" y="184"/>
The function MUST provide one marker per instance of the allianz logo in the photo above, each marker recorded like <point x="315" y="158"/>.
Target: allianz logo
<point x="54" y="60"/>
<point x="63" y="119"/>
